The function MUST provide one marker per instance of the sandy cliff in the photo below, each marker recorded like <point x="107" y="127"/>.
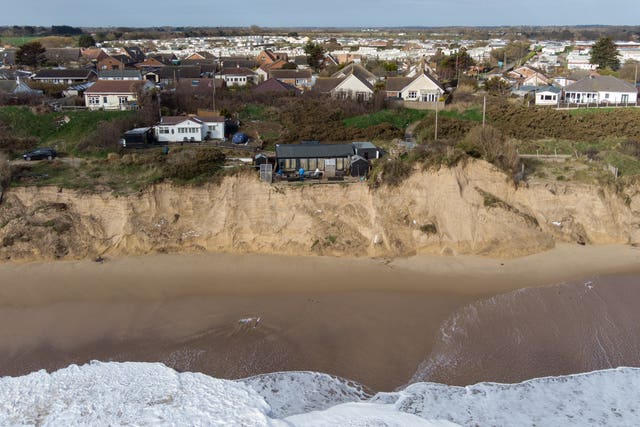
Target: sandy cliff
<point x="468" y="209"/>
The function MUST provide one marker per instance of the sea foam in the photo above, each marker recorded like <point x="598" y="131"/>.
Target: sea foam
<point x="152" y="394"/>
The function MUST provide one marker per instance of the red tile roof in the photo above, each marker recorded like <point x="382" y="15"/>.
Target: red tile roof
<point x="115" y="86"/>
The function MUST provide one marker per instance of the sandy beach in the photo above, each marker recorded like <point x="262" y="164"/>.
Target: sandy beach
<point x="371" y="320"/>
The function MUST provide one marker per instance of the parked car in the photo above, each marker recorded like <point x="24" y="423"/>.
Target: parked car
<point x="40" y="153"/>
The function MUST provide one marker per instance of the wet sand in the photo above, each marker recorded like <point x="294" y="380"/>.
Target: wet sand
<point x="372" y="321"/>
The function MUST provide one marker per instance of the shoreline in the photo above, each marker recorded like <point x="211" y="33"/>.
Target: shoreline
<point x="369" y="320"/>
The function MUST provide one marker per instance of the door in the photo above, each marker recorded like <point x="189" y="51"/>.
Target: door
<point x="329" y="167"/>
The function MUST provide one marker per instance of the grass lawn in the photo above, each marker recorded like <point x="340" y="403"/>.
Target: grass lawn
<point x="90" y="175"/>
<point x="18" y="41"/>
<point x="400" y="118"/>
<point x="24" y="123"/>
<point x="472" y="114"/>
<point x="253" y="112"/>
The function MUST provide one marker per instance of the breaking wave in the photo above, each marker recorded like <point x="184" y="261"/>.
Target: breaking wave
<point x="535" y="332"/>
<point x="152" y="394"/>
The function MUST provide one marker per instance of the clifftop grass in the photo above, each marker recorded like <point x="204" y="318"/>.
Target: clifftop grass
<point x="49" y="128"/>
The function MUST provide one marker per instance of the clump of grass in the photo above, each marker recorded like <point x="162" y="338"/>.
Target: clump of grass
<point x="429" y="228"/>
<point x="492" y="201"/>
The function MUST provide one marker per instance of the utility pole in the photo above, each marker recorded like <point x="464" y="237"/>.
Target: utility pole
<point x="435" y="138"/>
<point x="213" y="83"/>
<point x="484" y="110"/>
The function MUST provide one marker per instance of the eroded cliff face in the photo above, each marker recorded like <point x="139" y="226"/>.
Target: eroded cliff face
<point x="468" y="209"/>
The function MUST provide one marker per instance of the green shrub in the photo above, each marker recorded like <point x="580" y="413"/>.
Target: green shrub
<point x="191" y="163"/>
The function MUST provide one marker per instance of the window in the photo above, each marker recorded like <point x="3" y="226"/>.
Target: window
<point x="412" y="94"/>
<point x="339" y="164"/>
<point x="122" y="100"/>
<point x="304" y="164"/>
<point x="313" y="164"/>
<point x="195" y="83"/>
<point x="606" y="96"/>
<point x="94" y="100"/>
<point x="105" y="100"/>
<point x="164" y="130"/>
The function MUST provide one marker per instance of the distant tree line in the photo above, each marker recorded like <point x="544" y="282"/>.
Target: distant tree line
<point x="32" y="31"/>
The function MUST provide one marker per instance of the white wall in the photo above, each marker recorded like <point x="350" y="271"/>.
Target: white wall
<point x="216" y="129"/>
<point x="353" y="87"/>
<point x="425" y="90"/>
<point x="603" y="97"/>
<point x="108" y="101"/>
<point x="547" y="98"/>
<point x="177" y="133"/>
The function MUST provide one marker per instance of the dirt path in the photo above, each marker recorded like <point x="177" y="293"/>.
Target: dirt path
<point x="409" y="132"/>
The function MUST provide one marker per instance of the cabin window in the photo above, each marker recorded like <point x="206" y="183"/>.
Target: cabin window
<point x="290" y="163"/>
<point x="304" y="164"/>
<point x="339" y="164"/>
<point x="313" y="164"/>
<point x="606" y="96"/>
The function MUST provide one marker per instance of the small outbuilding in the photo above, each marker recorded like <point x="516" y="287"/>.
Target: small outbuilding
<point x="260" y="159"/>
<point x="367" y="150"/>
<point x="359" y="166"/>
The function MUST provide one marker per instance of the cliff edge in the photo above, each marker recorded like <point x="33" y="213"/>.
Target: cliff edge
<point x="472" y="208"/>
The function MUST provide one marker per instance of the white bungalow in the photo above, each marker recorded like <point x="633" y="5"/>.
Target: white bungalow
<point x="547" y="95"/>
<point x="180" y="129"/>
<point x="421" y="88"/>
<point x="213" y="126"/>
<point x="238" y="76"/>
<point x="601" y="89"/>
<point x="351" y="86"/>
<point x="114" y="94"/>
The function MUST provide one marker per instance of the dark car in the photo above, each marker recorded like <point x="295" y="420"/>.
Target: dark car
<point x="40" y="153"/>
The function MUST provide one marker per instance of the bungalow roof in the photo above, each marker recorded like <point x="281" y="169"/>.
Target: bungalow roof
<point x="301" y="151"/>
<point x="274" y="85"/>
<point x="119" y="73"/>
<point x="64" y="54"/>
<point x="70" y="73"/>
<point x="212" y="119"/>
<point x="396" y="84"/>
<point x="115" y="86"/>
<point x="238" y="71"/>
<point x="290" y="74"/>
<point x="326" y="84"/>
<point x="357" y="70"/>
<point x="596" y="83"/>
<point x="176" y="120"/>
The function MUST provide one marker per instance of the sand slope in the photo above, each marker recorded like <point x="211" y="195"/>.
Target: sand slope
<point x="467" y="209"/>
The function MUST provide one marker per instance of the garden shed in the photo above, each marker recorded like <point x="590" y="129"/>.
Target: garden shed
<point x="359" y="166"/>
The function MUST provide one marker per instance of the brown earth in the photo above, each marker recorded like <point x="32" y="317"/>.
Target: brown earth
<point x="469" y="209"/>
